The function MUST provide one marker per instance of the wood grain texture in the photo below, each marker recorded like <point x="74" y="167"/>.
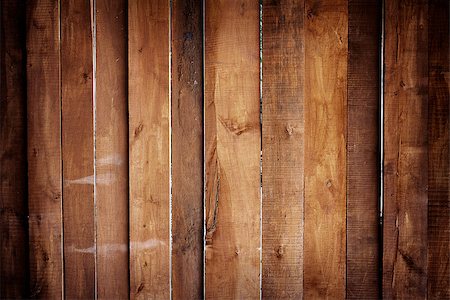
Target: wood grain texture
<point x="406" y="150"/>
<point x="325" y="148"/>
<point x="78" y="149"/>
<point x="438" y="151"/>
<point x="13" y="158"/>
<point x="44" y="149"/>
<point x="232" y="141"/>
<point x="282" y="149"/>
<point x="362" y="149"/>
<point x="111" y="157"/>
<point x="149" y="121"/>
<point x="187" y="149"/>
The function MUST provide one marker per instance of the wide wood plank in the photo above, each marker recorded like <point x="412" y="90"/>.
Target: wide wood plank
<point x="282" y="149"/>
<point x="362" y="149"/>
<point x="187" y="149"/>
<point x="406" y="150"/>
<point x="149" y="122"/>
<point x="325" y="148"/>
<point x="438" y="151"/>
<point x="111" y="157"/>
<point x="78" y="149"/>
<point x="13" y="156"/>
<point x="44" y="149"/>
<point x="232" y="141"/>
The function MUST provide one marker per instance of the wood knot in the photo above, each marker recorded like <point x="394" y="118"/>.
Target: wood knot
<point x="289" y="129"/>
<point x="328" y="183"/>
<point x="138" y="129"/>
<point x="279" y="251"/>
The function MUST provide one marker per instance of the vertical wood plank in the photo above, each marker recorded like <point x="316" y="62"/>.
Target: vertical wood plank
<point x="78" y="149"/>
<point x="406" y="155"/>
<point x="111" y="157"/>
<point x="325" y="148"/>
<point x="438" y="151"/>
<point x="44" y="149"/>
<point x="13" y="163"/>
<point x="362" y="149"/>
<point x="232" y="133"/>
<point x="282" y="149"/>
<point x="149" y="121"/>
<point x="187" y="149"/>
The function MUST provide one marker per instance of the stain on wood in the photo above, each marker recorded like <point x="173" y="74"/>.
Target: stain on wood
<point x="325" y="148"/>
<point x="14" y="279"/>
<point x="149" y="122"/>
<point x="111" y="146"/>
<point x="406" y="150"/>
<point x="187" y="150"/>
<point x="282" y="149"/>
<point x="363" y="77"/>
<point x="44" y="149"/>
<point x="78" y="149"/>
<point x="232" y="141"/>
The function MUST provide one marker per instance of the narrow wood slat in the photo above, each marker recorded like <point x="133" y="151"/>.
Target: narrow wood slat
<point x="362" y="149"/>
<point x="77" y="149"/>
<point x="44" y="149"/>
<point x="149" y="121"/>
<point x="325" y="148"/>
<point x="282" y="149"/>
<point x="13" y="160"/>
<point x="406" y="150"/>
<point x="232" y="133"/>
<point x="111" y="146"/>
<point x="187" y="150"/>
<point x="438" y="151"/>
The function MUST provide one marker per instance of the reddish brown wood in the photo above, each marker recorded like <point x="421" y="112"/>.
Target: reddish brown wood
<point x="44" y="149"/>
<point x="362" y="149"/>
<point x="149" y="138"/>
<point x="187" y="150"/>
<point x="78" y="150"/>
<point x="438" y="152"/>
<point x="406" y="150"/>
<point x="326" y="26"/>
<point x="233" y="149"/>
<point x="13" y="158"/>
<point x="111" y="146"/>
<point x="282" y="149"/>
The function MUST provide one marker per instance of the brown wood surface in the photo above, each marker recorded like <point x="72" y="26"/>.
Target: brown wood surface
<point x="44" y="149"/>
<point x="111" y="149"/>
<point x="13" y="158"/>
<point x="438" y="151"/>
<point x="187" y="150"/>
<point x="363" y="77"/>
<point x="282" y="149"/>
<point x="325" y="148"/>
<point x="149" y="121"/>
<point x="233" y="138"/>
<point x="405" y="155"/>
<point x="78" y="149"/>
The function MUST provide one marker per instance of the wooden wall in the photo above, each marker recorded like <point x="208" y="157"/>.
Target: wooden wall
<point x="224" y="149"/>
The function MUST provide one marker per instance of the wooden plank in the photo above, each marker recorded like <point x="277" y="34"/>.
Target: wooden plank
<point x="282" y="149"/>
<point x="111" y="146"/>
<point x="44" y="149"/>
<point x="362" y="149"/>
<point x="405" y="155"/>
<point x="232" y="133"/>
<point x="149" y="122"/>
<point x="438" y="151"/>
<point x="187" y="150"/>
<point x="13" y="160"/>
<point x="78" y="149"/>
<point x="325" y="148"/>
